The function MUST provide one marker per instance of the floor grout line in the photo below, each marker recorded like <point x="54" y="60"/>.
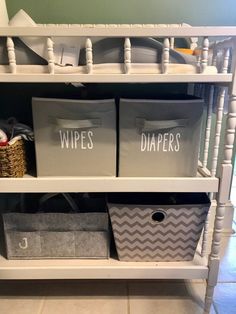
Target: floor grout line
<point x="128" y="298"/>
<point x="41" y="307"/>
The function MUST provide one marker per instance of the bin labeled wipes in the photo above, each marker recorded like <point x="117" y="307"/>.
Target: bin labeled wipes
<point x="75" y="137"/>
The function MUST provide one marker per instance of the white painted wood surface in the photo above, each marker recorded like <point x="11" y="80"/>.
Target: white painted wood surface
<point x="102" y="269"/>
<point x="219" y="117"/>
<point x="223" y="195"/>
<point x="204" y="59"/>
<point x="108" y="184"/>
<point x="165" y="56"/>
<point x="115" y="78"/>
<point x="56" y="269"/>
<point x="226" y="60"/>
<point x="214" y="255"/>
<point x="89" y="55"/>
<point x="11" y="55"/>
<point x="51" y="59"/>
<point x="122" y="30"/>
<point x="118" y="30"/>
<point x="127" y="55"/>
<point x="210" y="98"/>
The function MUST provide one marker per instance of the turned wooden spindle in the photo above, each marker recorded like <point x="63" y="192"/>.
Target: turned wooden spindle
<point x="11" y="54"/>
<point x="89" y="55"/>
<point x="172" y="42"/>
<point x="226" y="61"/>
<point x="208" y="127"/>
<point x="165" y="55"/>
<point x="219" y="117"/>
<point x="214" y="256"/>
<point x="127" y="55"/>
<point x="230" y="132"/>
<point x="51" y="59"/>
<point x="204" y="59"/>
<point x="198" y="64"/>
<point x="226" y="173"/>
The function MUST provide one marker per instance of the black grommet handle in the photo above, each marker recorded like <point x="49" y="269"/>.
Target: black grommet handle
<point x="158" y="216"/>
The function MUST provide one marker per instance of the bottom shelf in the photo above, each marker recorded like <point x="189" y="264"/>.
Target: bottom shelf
<point x="102" y="269"/>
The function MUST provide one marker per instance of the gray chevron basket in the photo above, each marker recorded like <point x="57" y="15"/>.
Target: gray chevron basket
<point x="157" y="226"/>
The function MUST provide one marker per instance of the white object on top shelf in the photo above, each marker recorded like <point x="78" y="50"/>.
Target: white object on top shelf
<point x="65" y="47"/>
<point x="3" y="13"/>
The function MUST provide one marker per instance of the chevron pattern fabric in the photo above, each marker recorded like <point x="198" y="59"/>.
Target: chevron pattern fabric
<point x="139" y="238"/>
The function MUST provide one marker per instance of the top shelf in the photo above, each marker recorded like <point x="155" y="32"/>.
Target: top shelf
<point x="118" y="30"/>
<point x="122" y="71"/>
<point x="115" y="78"/>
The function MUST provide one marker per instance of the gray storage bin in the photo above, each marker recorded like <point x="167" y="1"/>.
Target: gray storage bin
<point x="56" y="235"/>
<point x="75" y="137"/>
<point x="157" y="226"/>
<point x="159" y="137"/>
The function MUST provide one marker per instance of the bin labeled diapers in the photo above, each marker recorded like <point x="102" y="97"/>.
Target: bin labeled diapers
<point x="75" y="137"/>
<point x="159" y="137"/>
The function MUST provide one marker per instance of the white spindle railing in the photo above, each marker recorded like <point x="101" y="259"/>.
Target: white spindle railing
<point x="214" y="58"/>
<point x="204" y="59"/>
<point x="51" y="58"/>
<point x="89" y="55"/>
<point x="226" y="61"/>
<point x="221" y="54"/>
<point x="226" y="173"/>
<point x="11" y="55"/>
<point x="127" y="55"/>
<point x="172" y="42"/>
<point x="219" y="117"/>
<point x="198" y="64"/>
<point x="208" y="127"/>
<point x="165" y="55"/>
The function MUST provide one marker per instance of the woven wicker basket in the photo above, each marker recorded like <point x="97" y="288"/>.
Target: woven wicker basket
<point x="12" y="160"/>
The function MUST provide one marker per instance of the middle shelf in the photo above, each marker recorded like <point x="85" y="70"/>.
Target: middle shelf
<point x="108" y="184"/>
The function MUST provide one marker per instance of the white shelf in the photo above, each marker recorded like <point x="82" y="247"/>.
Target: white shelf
<point x="117" y="30"/>
<point x="108" y="184"/>
<point x="102" y="269"/>
<point x="114" y="78"/>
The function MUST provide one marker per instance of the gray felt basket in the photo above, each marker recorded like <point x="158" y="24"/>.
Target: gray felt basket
<point x="56" y="235"/>
<point x="157" y="226"/>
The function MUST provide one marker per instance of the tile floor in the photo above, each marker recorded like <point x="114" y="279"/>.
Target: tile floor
<point x="125" y="297"/>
